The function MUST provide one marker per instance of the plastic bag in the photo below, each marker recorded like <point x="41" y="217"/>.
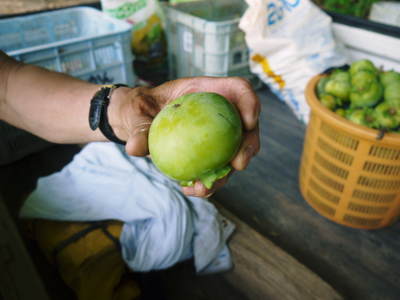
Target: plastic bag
<point x="148" y="35"/>
<point x="290" y="41"/>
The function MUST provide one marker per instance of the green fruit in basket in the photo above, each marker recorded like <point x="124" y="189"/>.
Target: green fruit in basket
<point x="321" y="86"/>
<point x="362" y="116"/>
<point x="388" y="77"/>
<point x="392" y="93"/>
<point x="328" y="101"/>
<point x="341" y="112"/>
<point x="362" y="65"/>
<point x="338" y="88"/>
<point x="387" y="116"/>
<point x="363" y="79"/>
<point x="340" y="75"/>
<point x="366" y="97"/>
<point x="195" y="137"/>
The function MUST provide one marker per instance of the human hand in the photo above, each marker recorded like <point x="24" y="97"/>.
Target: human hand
<point x="132" y="110"/>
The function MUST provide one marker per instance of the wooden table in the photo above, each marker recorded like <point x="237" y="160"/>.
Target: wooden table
<point x="359" y="264"/>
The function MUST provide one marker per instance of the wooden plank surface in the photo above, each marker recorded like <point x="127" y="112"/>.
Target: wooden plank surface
<point x="360" y="264"/>
<point x="11" y="7"/>
<point x="261" y="271"/>
<point x="265" y="271"/>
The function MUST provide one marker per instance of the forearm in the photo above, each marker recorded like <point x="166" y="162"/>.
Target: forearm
<point x="51" y="105"/>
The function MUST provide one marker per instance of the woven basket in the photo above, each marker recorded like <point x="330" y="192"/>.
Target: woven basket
<point x="347" y="173"/>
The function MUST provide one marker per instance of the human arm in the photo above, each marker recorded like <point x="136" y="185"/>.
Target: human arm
<point x="51" y="105"/>
<point x="55" y="107"/>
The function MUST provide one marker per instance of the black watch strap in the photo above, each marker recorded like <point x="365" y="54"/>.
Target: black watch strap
<point x="98" y="117"/>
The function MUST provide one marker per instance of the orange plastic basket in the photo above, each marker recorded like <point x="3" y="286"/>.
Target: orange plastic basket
<point x="346" y="173"/>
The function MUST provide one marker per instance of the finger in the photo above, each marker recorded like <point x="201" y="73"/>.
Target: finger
<point x="137" y="143"/>
<point x="199" y="190"/>
<point x="241" y="94"/>
<point x="249" y="147"/>
<point x="237" y="90"/>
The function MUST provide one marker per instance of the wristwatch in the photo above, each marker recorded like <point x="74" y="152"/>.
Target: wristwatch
<point x="98" y="112"/>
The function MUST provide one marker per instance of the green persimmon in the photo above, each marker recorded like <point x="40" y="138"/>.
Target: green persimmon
<point x="387" y="116"/>
<point x="367" y="97"/>
<point x="328" y="101"/>
<point x="338" y="88"/>
<point x="392" y="93"/>
<point x="340" y="75"/>
<point x="362" y="65"/>
<point x="341" y="112"/>
<point x="388" y="77"/>
<point x="362" y="116"/>
<point x="321" y="86"/>
<point x="362" y="79"/>
<point x="195" y="137"/>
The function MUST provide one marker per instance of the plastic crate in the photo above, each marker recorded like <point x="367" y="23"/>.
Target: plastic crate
<point x="204" y="39"/>
<point x="346" y="173"/>
<point x="81" y="41"/>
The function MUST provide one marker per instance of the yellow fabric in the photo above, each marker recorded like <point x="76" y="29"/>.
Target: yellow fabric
<point x="92" y="266"/>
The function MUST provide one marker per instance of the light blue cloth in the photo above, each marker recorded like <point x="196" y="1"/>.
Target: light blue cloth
<point x="161" y="225"/>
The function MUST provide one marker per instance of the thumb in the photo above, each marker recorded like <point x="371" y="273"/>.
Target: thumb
<point x="137" y="142"/>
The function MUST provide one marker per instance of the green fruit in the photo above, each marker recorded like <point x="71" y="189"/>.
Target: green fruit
<point x="387" y="116"/>
<point x="195" y="137"/>
<point x="328" y="101"/>
<point x="321" y="86"/>
<point x="341" y="112"/>
<point x="340" y="75"/>
<point x="338" y="88"/>
<point x="363" y="64"/>
<point x="388" y="77"/>
<point x="367" y="97"/>
<point x="363" y="79"/>
<point x="392" y="93"/>
<point x="362" y="116"/>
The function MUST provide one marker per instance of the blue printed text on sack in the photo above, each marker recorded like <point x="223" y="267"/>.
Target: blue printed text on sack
<point x="276" y="11"/>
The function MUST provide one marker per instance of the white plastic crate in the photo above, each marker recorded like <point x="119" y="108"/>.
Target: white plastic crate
<point x="204" y="39"/>
<point x="81" y="41"/>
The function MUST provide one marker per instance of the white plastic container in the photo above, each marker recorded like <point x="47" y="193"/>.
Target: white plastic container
<point x="361" y="43"/>
<point x="204" y="39"/>
<point x="81" y="41"/>
<point x="387" y="12"/>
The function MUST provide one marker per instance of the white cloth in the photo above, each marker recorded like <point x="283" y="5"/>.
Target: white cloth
<point x="161" y="225"/>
